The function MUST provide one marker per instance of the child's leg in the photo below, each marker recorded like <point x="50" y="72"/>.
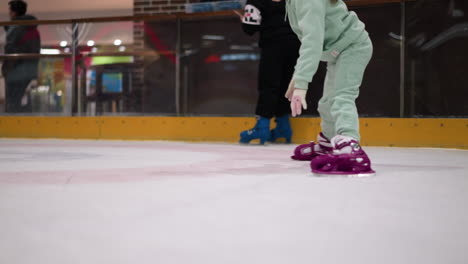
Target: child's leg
<point x="324" y="105"/>
<point x="349" y="71"/>
<point x="346" y="75"/>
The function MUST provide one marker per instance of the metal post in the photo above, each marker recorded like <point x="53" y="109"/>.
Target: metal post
<point x="412" y="92"/>
<point x="76" y="97"/>
<point x="185" y="90"/>
<point x="177" y="74"/>
<point x="83" y="102"/>
<point x="402" y="58"/>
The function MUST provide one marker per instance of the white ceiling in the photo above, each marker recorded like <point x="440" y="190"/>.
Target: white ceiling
<point x="77" y="5"/>
<point x="102" y="33"/>
<point x="63" y="9"/>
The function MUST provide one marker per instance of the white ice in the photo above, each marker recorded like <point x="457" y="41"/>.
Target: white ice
<point x="65" y="201"/>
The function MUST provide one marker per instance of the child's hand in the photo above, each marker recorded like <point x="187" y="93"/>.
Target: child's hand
<point x="298" y="101"/>
<point x="297" y="98"/>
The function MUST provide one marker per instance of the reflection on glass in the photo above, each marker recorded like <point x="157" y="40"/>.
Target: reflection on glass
<point x="159" y="81"/>
<point x="437" y="58"/>
<point x="53" y="90"/>
<point x="219" y="65"/>
<point x="38" y="83"/>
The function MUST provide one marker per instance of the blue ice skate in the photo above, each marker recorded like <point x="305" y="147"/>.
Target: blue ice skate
<point x="282" y="130"/>
<point x="260" y="131"/>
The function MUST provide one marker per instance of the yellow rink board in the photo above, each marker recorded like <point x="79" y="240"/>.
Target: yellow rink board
<point x="400" y="132"/>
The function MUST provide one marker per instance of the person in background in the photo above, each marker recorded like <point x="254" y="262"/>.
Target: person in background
<point x="279" y="52"/>
<point x="328" y="31"/>
<point x="19" y="73"/>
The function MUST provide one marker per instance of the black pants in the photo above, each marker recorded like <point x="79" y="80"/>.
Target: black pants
<point x="276" y="68"/>
<point x="14" y="91"/>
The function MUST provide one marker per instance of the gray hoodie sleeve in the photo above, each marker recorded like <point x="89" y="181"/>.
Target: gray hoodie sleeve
<point x="311" y="21"/>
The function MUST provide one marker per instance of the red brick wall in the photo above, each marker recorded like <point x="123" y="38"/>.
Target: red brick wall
<point x="150" y="7"/>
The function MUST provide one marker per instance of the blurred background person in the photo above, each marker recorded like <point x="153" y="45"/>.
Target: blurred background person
<point x="279" y="52"/>
<point x="19" y="73"/>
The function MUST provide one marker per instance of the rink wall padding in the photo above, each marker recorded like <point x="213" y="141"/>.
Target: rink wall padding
<point x="399" y="132"/>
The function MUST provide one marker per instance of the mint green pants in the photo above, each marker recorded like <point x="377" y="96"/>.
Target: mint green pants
<point x="337" y="107"/>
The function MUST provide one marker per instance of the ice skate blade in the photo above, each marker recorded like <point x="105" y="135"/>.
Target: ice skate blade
<point x="345" y="175"/>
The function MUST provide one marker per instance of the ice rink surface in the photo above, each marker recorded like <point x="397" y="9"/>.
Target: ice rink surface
<point x="66" y="201"/>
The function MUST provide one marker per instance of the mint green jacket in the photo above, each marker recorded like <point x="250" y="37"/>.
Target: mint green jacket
<point x="325" y="29"/>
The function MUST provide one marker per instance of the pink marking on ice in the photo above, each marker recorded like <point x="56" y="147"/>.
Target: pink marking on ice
<point x="230" y="160"/>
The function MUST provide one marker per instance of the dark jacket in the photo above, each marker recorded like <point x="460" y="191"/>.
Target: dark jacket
<point x="268" y="18"/>
<point x="21" y="39"/>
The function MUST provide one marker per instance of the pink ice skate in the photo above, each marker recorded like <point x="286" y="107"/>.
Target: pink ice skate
<point x="312" y="150"/>
<point x="348" y="159"/>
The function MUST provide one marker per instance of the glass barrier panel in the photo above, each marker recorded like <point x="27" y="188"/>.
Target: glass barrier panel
<point x="436" y="60"/>
<point x="206" y="65"/>
<point x="36" y="71"/>
<point x="127" y="68"/>
<point x="379" y="95"/>
<point x="160" y="91"/>
<point x="219" y="65"/>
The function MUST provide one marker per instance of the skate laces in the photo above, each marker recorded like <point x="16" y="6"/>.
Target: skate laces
<point x="344" y="144"/>
<point x="324" y="143"/>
